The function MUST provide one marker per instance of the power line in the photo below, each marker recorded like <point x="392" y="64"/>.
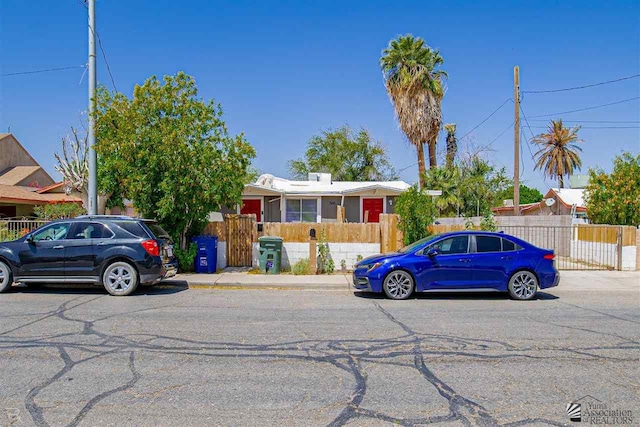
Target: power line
<point x="502" y="133"/>
<point x="595" y="127"/>
<point x="43" y="71"/>
<point x="582" y="87"/>
<point x="587" y="108"/>
<point x="487" y="118"/>
<point x="106" y="62"/>
<point x="590" y="121"/>
<point x="544" y="177"/>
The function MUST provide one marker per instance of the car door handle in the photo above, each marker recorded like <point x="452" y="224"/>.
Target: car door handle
<point x="464" y="260"/>
<point x="506" y="257"/>
<point x="58" y="247"/>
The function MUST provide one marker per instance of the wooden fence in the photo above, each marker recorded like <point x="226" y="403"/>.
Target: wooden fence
<point x="333" y="232"/>
<point x="607" y="234"/>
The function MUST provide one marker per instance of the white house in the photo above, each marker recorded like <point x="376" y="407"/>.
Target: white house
<point x="274" y="199"/>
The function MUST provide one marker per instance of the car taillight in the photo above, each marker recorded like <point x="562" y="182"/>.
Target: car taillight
<point x="549" y="256"/>
<point x="151" y="246"/>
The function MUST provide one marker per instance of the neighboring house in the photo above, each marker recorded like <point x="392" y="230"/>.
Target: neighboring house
<point x="274" y="199"/>
<point x="557" y="201"/>
<point x="24" y="183"/>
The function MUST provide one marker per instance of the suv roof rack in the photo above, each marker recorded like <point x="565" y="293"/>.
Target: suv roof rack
<point x="104" y="217"/>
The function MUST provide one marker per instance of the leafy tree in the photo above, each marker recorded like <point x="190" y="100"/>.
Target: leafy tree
<point x="527" y="194"/>
<point x="417" y="212"/>
<point x="615" y="198"/>
<point x="452" y="143"/>
<point x="346" y="155"/>
<point x="480" y="185"/>
<point x="558" y="154"/>
<point x="447" y="180"/>
<point x="416" y="89"/>
<point x="170" y="153"/>
<point x="58" y="210"/>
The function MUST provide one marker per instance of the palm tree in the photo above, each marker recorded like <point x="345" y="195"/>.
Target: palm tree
<point x="416" y="89"/>
<point x="452" y="143"/>
<point x="558" y="154"/>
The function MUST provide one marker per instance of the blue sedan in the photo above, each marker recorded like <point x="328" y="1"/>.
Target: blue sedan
<point x="464" y="260"/>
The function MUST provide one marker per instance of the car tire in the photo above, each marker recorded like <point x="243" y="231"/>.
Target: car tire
<point x="6" y="278"/>
<point x="523" y="285"/>
<point x="120" y="278"/>
<point x="398" y="285"/>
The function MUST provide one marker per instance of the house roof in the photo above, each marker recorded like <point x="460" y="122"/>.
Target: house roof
<point x="569" y="196"/>
<point x="28" y="196"/>
<point x="16" y="174"/>
<point x="276" y="185"/>
<point x="8" y="138"/>
<point x="523" y="207"/>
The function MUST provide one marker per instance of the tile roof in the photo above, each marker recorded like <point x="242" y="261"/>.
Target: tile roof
<point x="14" y="175"/>
<point x="26" y="195"/>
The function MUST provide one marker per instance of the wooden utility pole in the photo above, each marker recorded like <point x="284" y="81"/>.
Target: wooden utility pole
<point x="516" y="134"/>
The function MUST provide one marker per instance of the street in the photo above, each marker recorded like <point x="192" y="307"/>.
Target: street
<point x="176" y="356"/>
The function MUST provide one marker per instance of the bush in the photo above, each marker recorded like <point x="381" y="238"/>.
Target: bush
<point x="301" y="267"/>
<point x="59" y="210"/>
<point x="325" y="262"/>
<point x="488" y="223"/>
<point x="186" y="257"/>
<point x="416" y="212"/>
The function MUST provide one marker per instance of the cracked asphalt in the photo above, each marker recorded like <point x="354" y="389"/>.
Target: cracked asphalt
<point x="204" y="357"/>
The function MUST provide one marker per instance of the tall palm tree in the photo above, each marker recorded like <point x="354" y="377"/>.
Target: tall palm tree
<point x="416" y="89"/>
<point x="452" y="143"/>
<point x="558" y="154"/>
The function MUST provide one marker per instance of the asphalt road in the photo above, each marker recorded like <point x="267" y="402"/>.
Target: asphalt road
<point x="179" y="357"/>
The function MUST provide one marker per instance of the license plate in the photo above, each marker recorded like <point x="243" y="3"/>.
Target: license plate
<point x="169" y="251"/>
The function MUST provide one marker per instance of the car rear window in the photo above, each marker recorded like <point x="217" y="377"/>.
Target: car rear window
<point x="158" y="231"/>
<point x="488" y="244"/>
<point x="133" y="227"/>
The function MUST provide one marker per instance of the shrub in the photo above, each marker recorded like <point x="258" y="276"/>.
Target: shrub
<point x="325" y="262"/>
<point x="301" y="267"/>
<point x="416" y="212"/>
<point x="488" y="223"/>
<point x="186" y="257"/>
<point x="59" y="210"/>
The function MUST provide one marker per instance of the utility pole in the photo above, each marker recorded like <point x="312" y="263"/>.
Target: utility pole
<point x="516" y="134"/>
<point x="91" y="138"/>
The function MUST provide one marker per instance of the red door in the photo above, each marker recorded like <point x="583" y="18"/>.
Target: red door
<point x="251" y="206"/>
<point x="374" y="207"/>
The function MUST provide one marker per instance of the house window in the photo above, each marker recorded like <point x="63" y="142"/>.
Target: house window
<point x="302" y="210"/>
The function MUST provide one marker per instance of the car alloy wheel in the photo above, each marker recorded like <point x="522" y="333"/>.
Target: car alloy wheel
<point x="5" y="277"/>
<point x="523" y="285"/>
<point x="120" y="278"/>
<point x="398" y="285"/>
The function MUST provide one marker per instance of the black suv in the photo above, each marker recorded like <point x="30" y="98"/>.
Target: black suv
<point x="118" y="252"/>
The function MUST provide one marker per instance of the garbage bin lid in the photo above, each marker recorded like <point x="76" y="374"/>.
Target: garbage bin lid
<point x="270" y="239"/>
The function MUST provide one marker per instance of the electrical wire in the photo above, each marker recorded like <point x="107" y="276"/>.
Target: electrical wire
<point x="43" y="71"/>
<point x="589" y="121"/>
<point x="582" y="87"/>
<point x="587" y="108"/>
<point x="104" y="56"/>
<point x="544" y="178"/>
<point x="595" y="127"/>
<point x="487" y="118"/>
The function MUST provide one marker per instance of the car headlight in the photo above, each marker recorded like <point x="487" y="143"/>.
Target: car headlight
<point x="372" y="267"/>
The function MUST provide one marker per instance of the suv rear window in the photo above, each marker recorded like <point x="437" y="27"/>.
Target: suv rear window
<point x="158" y="231"/>
<point x="133" y="227"/>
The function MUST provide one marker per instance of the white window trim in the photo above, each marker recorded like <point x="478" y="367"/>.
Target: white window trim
<point x="283" y="207"/>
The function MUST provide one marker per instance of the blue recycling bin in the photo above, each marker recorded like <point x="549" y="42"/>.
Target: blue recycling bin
<point x="207" y="254"/>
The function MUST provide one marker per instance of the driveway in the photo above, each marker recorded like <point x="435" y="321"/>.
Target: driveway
<point x="179" y="356"/>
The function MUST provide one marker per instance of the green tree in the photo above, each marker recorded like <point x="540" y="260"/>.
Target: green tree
<point x="558" y="154"/>
<point x="417" y="213"/>
<point x="447" y="180"/>
<point x="615" y="198"/>
<point x="527" y="194"/>
<point x="346" y="155"/>
<point x="480" y="185"/>
<point x="58" y="210"/>
<point x="416" y="88"/>
<point x="170" y="153"/>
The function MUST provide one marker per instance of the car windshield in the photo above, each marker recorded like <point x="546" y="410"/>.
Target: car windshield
<point x="415" y="245"/>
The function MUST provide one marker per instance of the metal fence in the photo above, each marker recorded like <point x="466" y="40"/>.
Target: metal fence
<point x="14" y="229"/>
<point x="582" y="247"/>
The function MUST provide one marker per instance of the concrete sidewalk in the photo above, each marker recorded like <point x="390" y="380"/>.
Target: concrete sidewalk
<point x="266" y="281"/>
<point x="569" y="280"/>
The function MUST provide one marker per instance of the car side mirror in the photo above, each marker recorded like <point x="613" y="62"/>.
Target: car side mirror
<point x="432" y="253"/>
<point x="29" y="239"/>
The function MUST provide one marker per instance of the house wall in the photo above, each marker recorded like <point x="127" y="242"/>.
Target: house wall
<point x="391" y="204"/>
<point x="330" y="208"/>
<point x="352" y="209"/>
<point x="271" y="208"/>
<point x="13" y="154"/>
<point x="294" y="252"/>
<point x="37" y="179"/>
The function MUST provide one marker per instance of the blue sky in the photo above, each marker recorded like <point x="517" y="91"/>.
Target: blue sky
<point x="284" y="71"/>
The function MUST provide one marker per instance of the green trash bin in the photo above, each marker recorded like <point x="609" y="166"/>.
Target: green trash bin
<point x="270" y="254"/>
